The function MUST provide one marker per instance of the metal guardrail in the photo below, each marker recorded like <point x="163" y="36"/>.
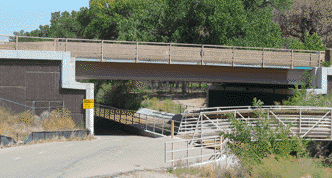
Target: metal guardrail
<point x="309" y="122"/>
<point x="218" y="141"/>
<point x="153" y="123"/>
<point x="171" y="52"/>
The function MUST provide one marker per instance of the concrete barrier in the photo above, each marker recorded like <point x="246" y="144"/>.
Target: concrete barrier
<point x="50" y="134"/>
<point x="6" y="140"/>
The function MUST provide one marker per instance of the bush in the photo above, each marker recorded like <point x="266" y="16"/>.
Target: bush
<point x="252" y="153"/>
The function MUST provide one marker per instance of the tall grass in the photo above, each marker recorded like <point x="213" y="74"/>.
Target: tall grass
<point x="20" y="126"/>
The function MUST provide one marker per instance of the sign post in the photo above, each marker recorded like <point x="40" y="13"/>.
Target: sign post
<point x="88" y="103"/>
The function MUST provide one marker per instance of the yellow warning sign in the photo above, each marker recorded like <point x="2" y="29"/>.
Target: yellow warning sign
<point x="88" y="103"/>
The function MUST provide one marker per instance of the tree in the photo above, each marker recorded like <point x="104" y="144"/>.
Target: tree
<point x="307" y="16"/>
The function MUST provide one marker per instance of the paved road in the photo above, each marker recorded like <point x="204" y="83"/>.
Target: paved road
<point x="107" y="155"/>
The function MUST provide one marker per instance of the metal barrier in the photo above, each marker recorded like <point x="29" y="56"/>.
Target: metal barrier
<point x="171" y="52"/>
<point x="154" y="123"/>
<point x="314" y="123"/>
<point x="217" y="141"/>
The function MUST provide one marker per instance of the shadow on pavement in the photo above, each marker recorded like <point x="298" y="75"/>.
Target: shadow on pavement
<point x="104" y="126"/>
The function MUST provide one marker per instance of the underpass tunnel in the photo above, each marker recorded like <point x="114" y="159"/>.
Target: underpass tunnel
<point x="235" y="94"/>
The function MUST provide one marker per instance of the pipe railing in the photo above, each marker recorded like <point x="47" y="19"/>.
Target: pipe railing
<point x="153" y="123"/>
<point x="170" y="52"/>
<point x="303" y="118"/>
<point x="214" y="141"/>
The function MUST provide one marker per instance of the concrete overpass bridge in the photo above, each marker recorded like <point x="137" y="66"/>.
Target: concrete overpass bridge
<point x="46" y="72"/>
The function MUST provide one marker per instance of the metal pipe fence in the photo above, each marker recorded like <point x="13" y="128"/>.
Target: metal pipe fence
<point x="313" y="123"/>
<point x="218" y="144"/>
<point x="171" y="52"/>
<point x="153" y="122"/>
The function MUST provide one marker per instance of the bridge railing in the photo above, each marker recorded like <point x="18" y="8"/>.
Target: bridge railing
<point x="170" y="52"/>
<point x="310" y="122"/>
<point x="151" y="122"/>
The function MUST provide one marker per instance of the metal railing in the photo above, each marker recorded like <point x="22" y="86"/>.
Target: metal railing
<point x="211" y="142"/>
<point x="171" y="52"/>
<point x="154" y="123"/>
<point x="309" y="122"/>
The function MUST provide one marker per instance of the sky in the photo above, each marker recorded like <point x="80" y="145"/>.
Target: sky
<point x="28" y="15"/>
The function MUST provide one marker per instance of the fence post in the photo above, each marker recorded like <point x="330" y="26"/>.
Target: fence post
<point x="114" y="114"/>
<point x="16" y="43"/>
<point x="139" y="119"/>
<point x="172" y="129"/>
<point x="300" y="120"/>
<point x="202" y="55"/>
<point x="49" y="107"/>
<point x="215" y="146"/>
<point x="54" y="43"/>
<point x="66" y="45"/>
<point x="233" y="57"/>
<point x="136" y="61"/>
<point x="170" y="60"/>
<point x="292" y="66"/>
<point x="263" y="58"/>
<point x="146" y="122"/>
<point x="104" y="112"/>
<point x="120" y="116"/>
<point x="102" y="51"/>
<point x="126" y="118"/>
<point x="162" y="130"/>
<point x="154" y="124"/>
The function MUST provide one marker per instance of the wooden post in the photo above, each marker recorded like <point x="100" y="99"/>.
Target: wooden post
<point x="102" y="52"/>
<point x="170" y="61"/>
<point x="202" y="55"/>
<point x="263" y="58"/>
<point x="172" y="131"/>
<point x="136" y="61"/>
<point x="292" y="66"/>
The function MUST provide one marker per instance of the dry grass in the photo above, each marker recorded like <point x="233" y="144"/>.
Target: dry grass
<point x="286" y="168"/>
<point x="21" y="125"/>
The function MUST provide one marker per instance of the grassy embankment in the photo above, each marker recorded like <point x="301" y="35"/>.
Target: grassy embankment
<point x="19" y="126"/>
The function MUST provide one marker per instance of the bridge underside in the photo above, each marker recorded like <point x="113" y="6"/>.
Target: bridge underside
<point x="193" y="73"/>
<point x="240" y="94"/>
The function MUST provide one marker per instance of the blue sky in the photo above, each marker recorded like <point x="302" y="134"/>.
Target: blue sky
<point x="28" y="15"/>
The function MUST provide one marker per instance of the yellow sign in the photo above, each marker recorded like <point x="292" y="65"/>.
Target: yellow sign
<point x="88" y="103"/>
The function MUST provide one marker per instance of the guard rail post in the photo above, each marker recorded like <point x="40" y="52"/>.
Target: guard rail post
<point x="172" y="129"/>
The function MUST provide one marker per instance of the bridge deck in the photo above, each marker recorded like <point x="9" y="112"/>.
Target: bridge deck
<point x="173" y="52"/>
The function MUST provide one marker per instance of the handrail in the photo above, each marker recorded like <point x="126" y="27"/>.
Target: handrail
<point x="310" y="57"/>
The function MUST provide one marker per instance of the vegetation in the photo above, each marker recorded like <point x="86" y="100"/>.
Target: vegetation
<point x="21" y="125"/>
<point x="267" y="156"/>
